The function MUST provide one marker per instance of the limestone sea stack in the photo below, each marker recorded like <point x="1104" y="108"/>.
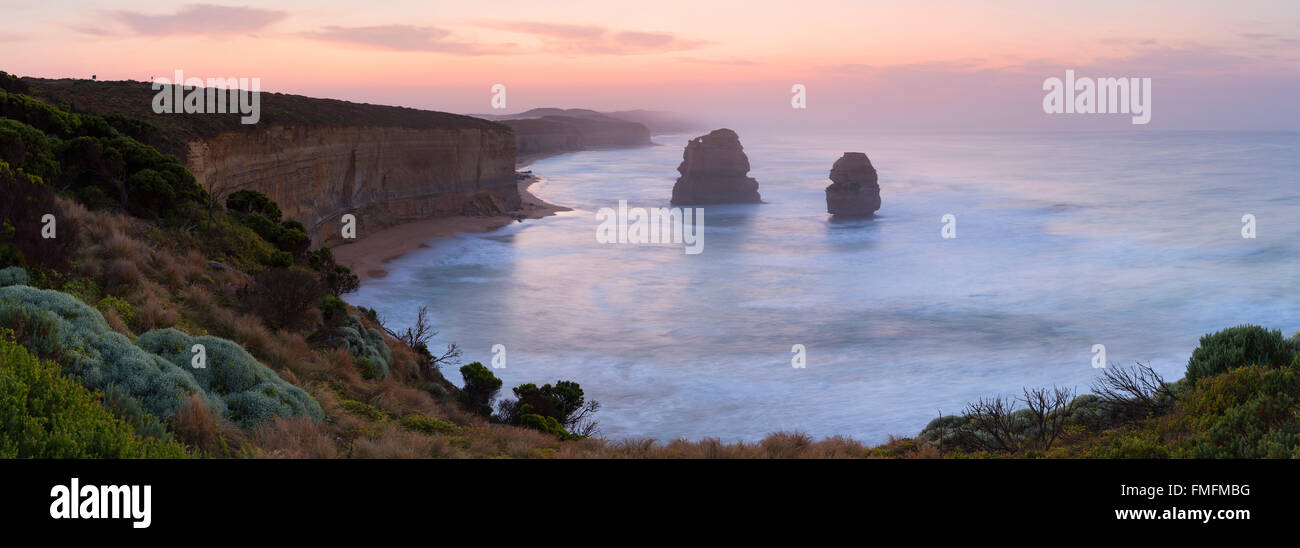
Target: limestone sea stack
<point x="715" y="171"/>
<point x="854" y="191"/>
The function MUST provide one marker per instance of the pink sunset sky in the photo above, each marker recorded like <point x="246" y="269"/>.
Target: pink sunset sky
<point x="867" y="64"/>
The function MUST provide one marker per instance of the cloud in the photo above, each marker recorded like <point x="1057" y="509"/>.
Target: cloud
<point x="596" y="40"/>
<point x="553" y="30"/>
<point x="734" y="61"/>
<point x="404" y="38"/>
<point x="194" y="19"/>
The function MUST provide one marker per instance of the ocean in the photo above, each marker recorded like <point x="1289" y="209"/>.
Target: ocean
<point x="1131" y="240"/>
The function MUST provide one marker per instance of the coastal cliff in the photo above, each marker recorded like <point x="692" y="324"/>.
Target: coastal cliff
<point x="323" y="158"/>
<point x="545" y="131"/>
<point x="382" y="175"/>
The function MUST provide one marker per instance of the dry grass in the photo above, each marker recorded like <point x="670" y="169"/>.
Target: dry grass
<point x="297" y="438"/>
<point x="196" y="424"/>
<point x="152" y="313"/>
<point x="115" y="322"/>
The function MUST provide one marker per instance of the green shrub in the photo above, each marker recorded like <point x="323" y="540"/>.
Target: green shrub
<point x="79" y="338"/>
<point x="156" y="371"/>
<point x="542" y="423"/>
<point x="14" y="275"/>
<point x="83" y="152"/>
<point x="44" y="414"/>
<point x="1248" y="412"/>
<point x="25" y="199"/>
<point x="251" y="201"/>
<point x="368" y="368"/>
<point x="279" y="259"/>
<point x="123" y="309"/>
<point x="336" y="278"/>
<point x="480" y="388"/>
<point x="366" y="344"/>
<point x="429" y="425"/>
<point x="250" y="392"/>
<point x="333" y="308"/>
<point x="364" y="409"/>
<point x="1235" y="347"/>
<point x="127" y="408"/>
<point x="285" y="297"/>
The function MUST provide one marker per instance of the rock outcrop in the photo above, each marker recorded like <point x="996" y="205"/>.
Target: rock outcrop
<point x="854" y="189"/>
<point x="715" y="170"/>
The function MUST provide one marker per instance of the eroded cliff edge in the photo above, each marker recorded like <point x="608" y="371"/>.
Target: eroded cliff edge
<point x="383" y="175"/>
<point x="323" y="158"/>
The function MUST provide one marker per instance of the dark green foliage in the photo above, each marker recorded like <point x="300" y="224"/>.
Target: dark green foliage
<point x="279" y="259"/>
<point x="260" y="213"/>
<point x="337" y="279"/>
<point x="26" y="147"/>
<point x="12" y="84"/>
<point x="333" y="309"/>
<point x="365" y="410"/>
<point x="81" y="152"/>
<point x="251" y="201"/>
<point x="563" y="404"/>
<point x="1236" y="347"/>
<point x="559" y="401"/>
<point x="44" y="414"/>
<point x="283" y="297"/>
<point x="368" y="369"/>
<point x="429" y="425"/>
<point x="1247" y="412"/>
<point x="24" y="201"/>
<point x="543" y="423"/>
<point x="340" y="280"/>
<point x="480" y="387"/>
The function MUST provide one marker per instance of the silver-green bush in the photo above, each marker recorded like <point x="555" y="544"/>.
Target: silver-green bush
<point x="14" y="275"/>
<point x="156" y="369"/>
<point x="251" y="392"/>
<point x="366" y="343"/>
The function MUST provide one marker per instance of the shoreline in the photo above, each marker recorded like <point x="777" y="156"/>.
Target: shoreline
<point x="368" y="261"/>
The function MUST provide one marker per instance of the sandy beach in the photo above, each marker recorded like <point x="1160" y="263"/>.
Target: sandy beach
<point x="367" y="257"/>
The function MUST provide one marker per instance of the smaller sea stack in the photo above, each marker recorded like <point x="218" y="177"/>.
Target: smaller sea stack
<point x="715" y="171"/>
<point x="854" y="191"/>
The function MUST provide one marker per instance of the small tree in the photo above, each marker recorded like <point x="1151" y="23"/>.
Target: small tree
<point x="417" y="338"/>
<point x="1047" y="411"/>
<point x="991" y="424"/>
<point x="481" y="387"/>
<point x="1137" y="391"/>
<point x="564" y="403"/>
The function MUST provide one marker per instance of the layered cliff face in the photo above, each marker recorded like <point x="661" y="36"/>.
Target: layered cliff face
<point x="715" y="170"/>
<point x="854" y="190"/>
<point x="382" y="175"/>
<point x="322" y="158"/>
